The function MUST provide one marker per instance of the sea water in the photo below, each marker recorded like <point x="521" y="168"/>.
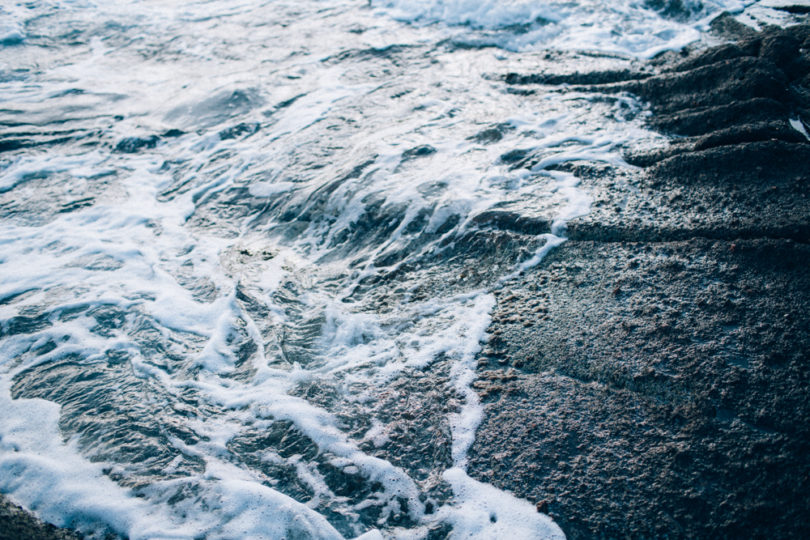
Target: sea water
<point x="244" y="247"/>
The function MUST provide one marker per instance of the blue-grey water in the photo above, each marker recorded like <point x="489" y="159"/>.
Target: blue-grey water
<point x="244" y="262"/>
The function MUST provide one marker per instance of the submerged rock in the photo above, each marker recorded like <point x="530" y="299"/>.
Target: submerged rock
<point x="418" y="152"/>
<point x="132" y="145"/>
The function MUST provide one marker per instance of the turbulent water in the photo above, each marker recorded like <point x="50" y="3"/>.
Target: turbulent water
<point x="247" y="250"/>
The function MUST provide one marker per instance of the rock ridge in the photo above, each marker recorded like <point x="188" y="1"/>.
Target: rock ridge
<point x="650" y="378"/>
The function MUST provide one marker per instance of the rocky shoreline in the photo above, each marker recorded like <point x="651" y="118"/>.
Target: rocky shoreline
<point x="17" y="524"/>
<point x="650" y="378"/>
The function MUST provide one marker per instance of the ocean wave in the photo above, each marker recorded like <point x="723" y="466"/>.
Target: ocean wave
<point x="638" y="28"/>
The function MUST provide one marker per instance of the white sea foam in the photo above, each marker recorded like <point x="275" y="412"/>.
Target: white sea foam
<point x="483" y="512"/>
<point x="765" y="13"/>
<point x="11" y="34"/>
<point x="630" y="27"/>
<point x="11" y="28"/>
<point x="268" y="189"/>
<point x="49" y="476"/>
<point x="798" y="125"/>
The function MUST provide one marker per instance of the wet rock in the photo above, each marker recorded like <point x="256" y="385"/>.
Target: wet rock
<point x="658" y="391"/>
<point x="706" y="120"/>
<point x="410" y="415"/>
<point x="755" y="79"/>
<point x="768" y="161"/>
<point x="759" y="79"/>
<point x="727" y="27"/>
<point x="649" y="378"/>
<point x="239" y="130"/>
<point x="675" y="9"/>
<point x="16" y="524"/>
<point x="796" y="9"/>
<point x="132" y="145"/>
<point x="417" y="152"/>
<point x="492" y="134"/>
<point x="512" y="221"/>
<point x="515" y="156"/>
<point x="715" y="83"/>
<point x="578" y="78"/>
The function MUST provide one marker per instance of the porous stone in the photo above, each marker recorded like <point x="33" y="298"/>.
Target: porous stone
<point x="650" y="378"/>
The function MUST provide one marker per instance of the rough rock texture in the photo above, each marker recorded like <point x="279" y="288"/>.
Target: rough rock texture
<point x="651" y="378"/>
<point x="16" y="524"/>
<point x="655" y="388"/>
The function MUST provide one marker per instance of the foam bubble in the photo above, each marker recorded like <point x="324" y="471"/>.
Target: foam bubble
<point x="482" y="512"/>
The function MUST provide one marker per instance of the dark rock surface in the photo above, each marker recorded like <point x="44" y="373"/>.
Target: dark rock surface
<point x="651" y="377"/>
<point x="132" y="145"/>
<point x="16" y="524"/>
<point x="655" y="389"/>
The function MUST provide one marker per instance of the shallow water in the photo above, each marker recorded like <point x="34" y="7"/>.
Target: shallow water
<point x="249" y="249"/>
